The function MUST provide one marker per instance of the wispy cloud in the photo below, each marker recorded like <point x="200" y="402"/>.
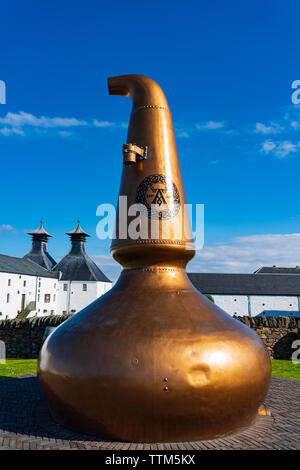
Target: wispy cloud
<point x="181" y="133"/>
<point x="292" y="117"/>
<point x="272" y="128"/>
<point x="280" y="149"/>
<point x="7" y="131"/>
<point x="211" y="125"/>
<point x="246" y="254"/>
<point x="22" y="119"/>
<point x="65" y="133"/>
<point x="103" y="123"/>
<point x="7" y="228"/>
<point x="21" y="123"/>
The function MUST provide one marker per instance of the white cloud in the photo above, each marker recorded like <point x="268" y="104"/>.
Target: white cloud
<point x="65" y="133"/>
<point x="272" y="128"/>
<point x="181" y="133"/>
<point x="21" y="119"/>
<point x="279" y="149"/>
<point x="211" y="125"/>
<point x="246" y="254"/>
<point x="7" y="131"/>
<point x="6" y="228"/>
<point x="268" y="146"/>
<point x="103" y="123"/>
<point x="17" y="123"/>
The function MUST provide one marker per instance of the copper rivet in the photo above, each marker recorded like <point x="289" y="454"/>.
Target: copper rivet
<point x="166" y="389"/>
<point x="166" y="379"/>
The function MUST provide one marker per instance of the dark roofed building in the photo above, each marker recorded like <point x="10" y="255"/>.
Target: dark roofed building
<point x="77" y="265"/>
<point x="251" y="294"/>
<point x="246" y="284"/>
<point x="39" y="252"/>
<point x="10" y="264"/>
<point x="37" y="285"/>
<point x="277" y="270"/>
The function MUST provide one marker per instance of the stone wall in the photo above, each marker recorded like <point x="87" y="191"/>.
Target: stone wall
<point x="278" y="333"/>
<point x="24" y="338"/>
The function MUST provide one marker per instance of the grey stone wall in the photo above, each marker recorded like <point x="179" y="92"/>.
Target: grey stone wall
<point x="24" y="338"/>
<point x="278" y="333"/>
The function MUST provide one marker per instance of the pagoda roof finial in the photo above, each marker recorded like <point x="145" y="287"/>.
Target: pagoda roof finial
<point x="40" y="232"/>
<point x="78" y="233"/>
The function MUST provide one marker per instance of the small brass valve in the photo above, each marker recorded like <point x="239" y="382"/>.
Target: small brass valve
<point x="131" y="152"/>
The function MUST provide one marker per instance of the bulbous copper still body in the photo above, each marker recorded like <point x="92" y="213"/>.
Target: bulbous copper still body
<point x="153" y="359"/>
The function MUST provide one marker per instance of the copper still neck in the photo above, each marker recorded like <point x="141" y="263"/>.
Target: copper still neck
<point x="151" y="177"/>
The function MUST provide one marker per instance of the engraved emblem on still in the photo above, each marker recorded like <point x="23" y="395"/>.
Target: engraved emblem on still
<point x="162" y="196"/>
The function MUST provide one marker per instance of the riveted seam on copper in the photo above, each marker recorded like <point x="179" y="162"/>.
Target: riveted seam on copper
<point x="149" y="106"/>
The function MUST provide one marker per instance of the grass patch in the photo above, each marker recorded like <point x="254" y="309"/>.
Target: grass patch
<point x="285" y="369"/>
<point x="15" y="367"/>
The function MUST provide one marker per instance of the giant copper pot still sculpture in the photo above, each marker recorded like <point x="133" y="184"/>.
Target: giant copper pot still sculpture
<point x="153" y="359"/>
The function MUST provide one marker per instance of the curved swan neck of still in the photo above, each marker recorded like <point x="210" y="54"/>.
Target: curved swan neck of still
<point x="148" y="179"/>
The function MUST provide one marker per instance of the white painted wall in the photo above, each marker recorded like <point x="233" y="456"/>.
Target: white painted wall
<point x="46" y="287"/>
<point x="48" y="294"/>
<point x="72" y="297"/>
<point x="254" y="304"/>
<point x="32" y="287"/>
<point x="9" y="306"/>
<point x="269" y="302"/>
<point x="232" y="304"/>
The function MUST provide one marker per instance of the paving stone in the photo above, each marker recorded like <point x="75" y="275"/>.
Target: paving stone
<point x="25" y="423"/>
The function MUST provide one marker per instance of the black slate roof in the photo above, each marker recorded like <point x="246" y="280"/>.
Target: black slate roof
<point x="78" y="266"/>
<point x="10" y="264"/>
<point x="246" y="284"/>
<point x="277" y="270"/>
<point x="39" y="255"/>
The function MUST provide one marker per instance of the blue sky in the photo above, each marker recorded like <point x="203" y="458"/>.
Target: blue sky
<point x="226" y="69"/>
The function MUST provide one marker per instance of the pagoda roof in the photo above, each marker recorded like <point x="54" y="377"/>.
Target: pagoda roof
<point x="40" y="231"/>
<point x="78" y="231"/>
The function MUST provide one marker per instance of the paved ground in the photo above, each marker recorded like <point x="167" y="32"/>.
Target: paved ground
<point x="25" y="423"/>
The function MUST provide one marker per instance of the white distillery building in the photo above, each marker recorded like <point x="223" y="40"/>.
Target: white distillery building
<point x="269" y="290"/>
<point x="37" y="285"/>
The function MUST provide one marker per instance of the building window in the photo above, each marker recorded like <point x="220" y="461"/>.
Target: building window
<point x="7" y="298"/>
<point x="54" y="286"/>
<point x="39" y="297"/>
<point x="24" y="283"/>
<point x="47" y="298"/>
<point x="65" y="286"/>
<point x="39" y="284"/>
<point x="9" y="282"/>
<point x="84" y="287"/>
<point x="52" y="311"/>
<point x="64" y="312"/>
<point x="54" y="297"/>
